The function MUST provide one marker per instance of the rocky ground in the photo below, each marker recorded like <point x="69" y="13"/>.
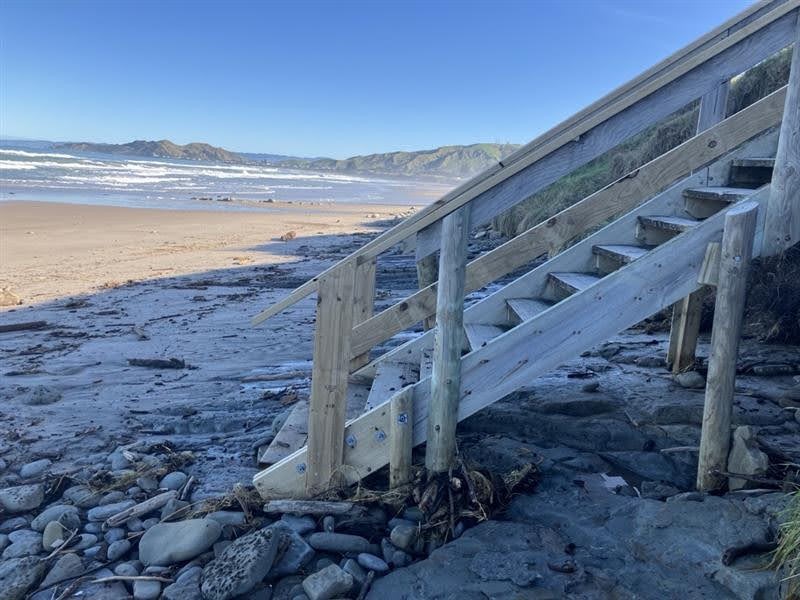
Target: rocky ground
<point x="118" y="475"/>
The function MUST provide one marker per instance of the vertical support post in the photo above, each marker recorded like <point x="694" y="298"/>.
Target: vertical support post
<point x="427" y="273"/>
<point x="401" y="438"/>
<point x="326" y="416"/>
<point x="686" y="312"/>
<point x="448" y="340"/>
<point x="782" y="220"/>
<point x="363" y="303"/>
<point x="736" y="253"/>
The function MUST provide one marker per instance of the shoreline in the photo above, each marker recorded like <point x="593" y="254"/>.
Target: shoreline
<point x="50" y="250"/>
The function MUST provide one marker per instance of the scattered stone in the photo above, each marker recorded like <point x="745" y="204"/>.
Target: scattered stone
<point x="401" y="559"/>
<point x="104" y="511"/>
<point x="219" y="547"/>
<point x="186" y="586"/>
<point x="372" y="563"/>
<point x="241" y="566"/>
<point x="146" y="590"/>
<point x="3" y="541"/>
<point x="135" y="525"/>
<point x="66" y="514"/>
<point x="13" y="524"/>
<point x="19" y="575"/>
<point x="113" y="497"/>
<point x="231" y="518"/>
<point x="81" y="496"/>
<point x="651" y="362"/>
<point x="351" y="566"/>
<point x="53" y="533"/>
<point x="687" y="497"/>
<point x="148" y="523"/>
<point x="173" y="481"/>
<point x="114" y="534"/>
<point x="328" y="583"/>
<point x="328" y="524"/>
<point x="126" y="569"/>
<point x="289" y="235"/>
<point x="657" y="490"/>
<point x="41" y="395"/>
<point x="690" y="380"/>
<point x="22" y="498"/>
<point x="147" y="483"/>
<point x="745" y="458"/>
<point x="85" y="540"/>
<point x="9" y="298"/>
<point x="118" y="549"/>
<point x="404" y="536"/>
<point x="174" y="509"/>
<point x="591" y="387"/>
<point x="66" y="567"/>
<point x="339" y="542"/>
<point x="24" y="542"/>
<point x="414" y="514"/>
<point x="301" y="525"/>
<point x="168" y="543"/>
<point x="296" y="556"/>
<point x="35" y="468"/>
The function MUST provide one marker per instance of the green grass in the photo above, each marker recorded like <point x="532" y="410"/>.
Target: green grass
<point x="786" y="559"/>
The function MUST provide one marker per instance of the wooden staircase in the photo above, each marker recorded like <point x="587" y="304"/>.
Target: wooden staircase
<point x="629" y="250"/>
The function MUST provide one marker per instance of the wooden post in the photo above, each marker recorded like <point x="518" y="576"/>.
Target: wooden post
<point x="427" y="273"/>
<point x="326" y="417"/>
<point x="401" y="440"/>
<point x="736" y="253"/>
<point x="448" y="340"/>
<point x="363" y="303"/>
<point x="686" y="313"/>
<point x="782" y="220"/>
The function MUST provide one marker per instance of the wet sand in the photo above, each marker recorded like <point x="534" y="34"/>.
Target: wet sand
<point x="52" y="250"/>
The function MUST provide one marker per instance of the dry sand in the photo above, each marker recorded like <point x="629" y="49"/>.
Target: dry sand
<point x="51" y="250"/>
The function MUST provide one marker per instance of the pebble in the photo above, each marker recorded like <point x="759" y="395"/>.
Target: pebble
<point x="126" y="569"/>
<point x="19" y="575"/>
<point x="118" y="549"/>
<point x="174" y="509"/>
<point x="414" y="514"/>
<point x="228" y="517"/>
<point x="13" y="524"/>
<point x="168" y="543"/>
<point x="690" y="380"/>
<point x="146" y="590"/>
<point x="53" y="532"/>
<point x="186" y="586"/>
<point x="351" y="566"/>
<point x="118" y="460"/>
<point x="404" y="536"/>
<point x="241" y="566"/>
<point x="372" y="563"/>
<point x="81" y="496"/>
<point x="147" y="483"/>
<point x="655" y="490"/>
<point x="24" y="542"/>
<point x="134" y="525"/>
<point x="296" y="556"/>
<point x="112" y="497"/>
<point x="95" y="528"/>
<point x="3" y="541"/>
<point x="85" y="540"/>
<point x="22" y="498"/>
<point x="148" y="523"/>
<point x="66" y="514"/>
<point x="401" y="559"/>
<point x="339" y="542"/>
<point x="173" y="481"/>
<point x="328" y="524"/>
<point x="104" y="511"/>
<point x="35" y="468"/>
<point x="66" y="567"/>
<point x="591" y="387"/>
<point x="114" y="534"/>
<point x="41" y="395"/>
<point x="328" y="583"/>
<point x="687" y="497"/>
<point x="301" y="525"/>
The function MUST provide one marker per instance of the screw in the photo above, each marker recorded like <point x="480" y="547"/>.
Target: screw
<point x="402" y="418"/>
<point x="380" y="435"/>
<point x="351" y="441"/>
<point x="301" y="468"/>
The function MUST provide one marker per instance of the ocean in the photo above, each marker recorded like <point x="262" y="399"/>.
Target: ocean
<point x="29" y="173"/>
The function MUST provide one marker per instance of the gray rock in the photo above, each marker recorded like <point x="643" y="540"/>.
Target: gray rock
<point x="173" y="481"/>
<point x="23" y="543"/>
<point x="93" y="528"/>
<point x="66" y="567"/>
<point x="118" y="549"/>
<point x="135" y="524"/>
<point x="220" y="547"/>
<point x="35" y="468"/>
<point x="328" y="524"/>
<point x="301" y="525"/>
<point x="118" y="460"/>
<point x="104" y="511"/>
<point x="41" y="395"/>
<point x="146" y="590"/>
<point x="112" y="497"/>
<point x="404" y="536"/>
<point x="174" y="509"/>
<point x="296" y="556"/>
<point x="66" y="514"/>
<point x="19" y="575"/>
<point x="351" y="566"/>
<point x="339" y="542"/>
<point x="102" y="591"/>
<point x="401" y="559"/>
<point x="127" y="569"/>
<point x="186" y="587"/>
<point x="413" y="514"/>
<point x="13" y="524"/>
<point x="3" y="541"/>
<point x="241" y="566"/>
<point x="372" y="563"/>
<point x="148" y="523"/>
<point x="81" y="496"/>
<point x="22" y="498"/>
<point x="687" y="497"/>
<point x="228" y="517"/>
<point x="167" y="543"/>
<point x="52" y="534"/>
<point x="93" y="551"/>
<point x="328" y="583"/>
<point x="147" y="483"/>
<point x="114" y="534"/>
<point x="690" y="380"/>
<point x="745" y="458"/>
<point x="85" y="540"/>
<point x="657" y="490"/>
<point x="652" y="362"/>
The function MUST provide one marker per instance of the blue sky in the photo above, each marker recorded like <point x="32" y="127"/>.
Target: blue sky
<point x="332" y="78"/>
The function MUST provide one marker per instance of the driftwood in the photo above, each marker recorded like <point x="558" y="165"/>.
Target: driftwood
<point x="311" y="507"/>
<point x="112" y="578"/>
<point x="734" y="552"/>
<point x="157" y="363"/>
<point x="140" y="333"/>
<point x="142" y="508"/>
<point x="275" y="376"/>
<point x="23" y="326"/>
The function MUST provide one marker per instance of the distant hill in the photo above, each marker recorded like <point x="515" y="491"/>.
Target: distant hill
<point x="446" y="162"/>
<point x="160" y="149"/>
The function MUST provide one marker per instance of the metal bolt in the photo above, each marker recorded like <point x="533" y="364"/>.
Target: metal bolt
<point x="402" y="418"/>
<point x="351" y="441"/>
<point x="301" y="468"/>
<point x="380" y="435"/>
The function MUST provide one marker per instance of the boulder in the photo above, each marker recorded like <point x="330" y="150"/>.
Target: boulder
<point x="19" y="575"/>
<point x="745" y="458"/>
<point x="167" y="543"/>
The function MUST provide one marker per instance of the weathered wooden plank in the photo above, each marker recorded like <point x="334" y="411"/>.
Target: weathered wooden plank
<point x="709" y="273"/>
<point x="329" y="378"/>
<point x="573" y="282"/>
<point x="448" y="340"/>
<point x="782" y="222"/>
<point x="764" y="23"/>
<point x="527" y="308"/>
<point x="529" y="350"/>
<point x="684" y="331"/>
<point x="427" y="274"/>
<point x="363" y="303"/>
<point x="735" y="256"/>
<point x="290" y="437"/>
<point x="558" y="231"/>
<point x="390" y="379"/>
<point x="401" y="439"/>
<point x="479" y="334"/>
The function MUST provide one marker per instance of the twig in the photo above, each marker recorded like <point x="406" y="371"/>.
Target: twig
<point x="22" y="326"/>
<point x="113" y="578"/>
<point x="63" y="545"/>
<point x="142" y="508"/>
<point x="186" y="487"/>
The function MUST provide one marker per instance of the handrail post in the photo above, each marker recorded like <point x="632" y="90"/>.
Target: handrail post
<point x="327" y="408"/>
<point x="448" y="342"/>
<point x="782" y="221"/>
<point x="686" y="313"/>
<point x="427" y="273"/>
<point x="735" y="256"/>
<point x="363" y="303"/>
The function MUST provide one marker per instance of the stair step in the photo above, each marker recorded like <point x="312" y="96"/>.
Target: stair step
<point x="754" y="163"/>
<point x="390" y="378"/>
<point x="621" y="253"/>
<point x="720" y="194"/>
<point x="751" y="172"/>
<point x="527" y="308"/>
<point x="669" y="223"/>
<point x="479" y="335"/>
<point x="573" y="282"/>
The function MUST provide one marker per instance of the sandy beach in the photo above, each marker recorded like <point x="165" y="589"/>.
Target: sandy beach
<point x="52" y="250"/>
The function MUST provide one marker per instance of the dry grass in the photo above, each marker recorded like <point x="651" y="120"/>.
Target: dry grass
<point x="786" y="558"/>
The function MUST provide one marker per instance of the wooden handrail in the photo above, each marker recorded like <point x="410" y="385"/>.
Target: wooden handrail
<point x="682" y="62"/>
<point x="572" y="222"/>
